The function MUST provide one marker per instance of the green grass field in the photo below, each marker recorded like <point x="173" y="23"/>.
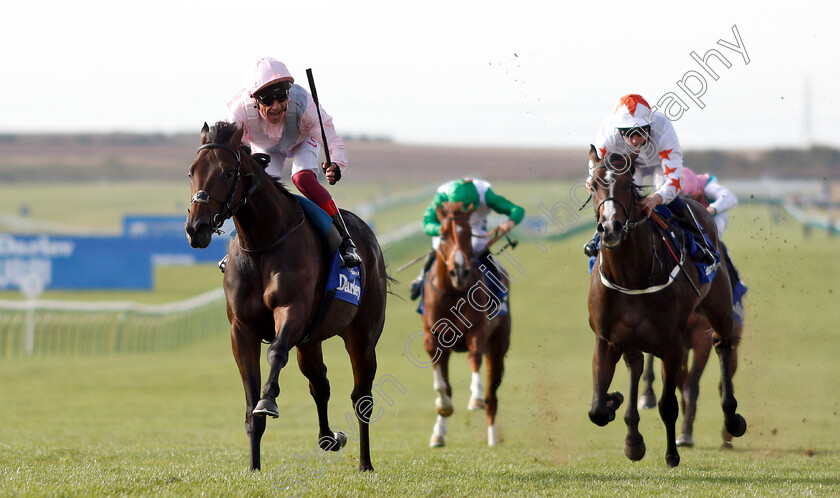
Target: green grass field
<point x="172" y="423"/>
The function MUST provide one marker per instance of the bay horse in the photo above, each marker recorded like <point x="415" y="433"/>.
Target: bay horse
<point x="462" y="314"/>
<point x="640" y="301"/>
<point x="701" y="342"/>
<point x="275" y="282"/>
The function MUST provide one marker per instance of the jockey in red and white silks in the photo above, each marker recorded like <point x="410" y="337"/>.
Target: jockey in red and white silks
<point x="281" y="119"/>
<point x="634" y="128"/>
<point x="660" y="155"/>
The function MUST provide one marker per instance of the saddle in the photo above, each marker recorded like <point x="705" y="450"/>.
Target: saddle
<point x="682" y="234"/>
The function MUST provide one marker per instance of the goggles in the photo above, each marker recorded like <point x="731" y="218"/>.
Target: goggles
<point x="267" y="96"/>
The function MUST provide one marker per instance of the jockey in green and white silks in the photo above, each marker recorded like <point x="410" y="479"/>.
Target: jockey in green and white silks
<point x="474" y="192"/>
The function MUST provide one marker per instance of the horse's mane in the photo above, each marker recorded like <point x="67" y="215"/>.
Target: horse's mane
<point x="222" y="132"/>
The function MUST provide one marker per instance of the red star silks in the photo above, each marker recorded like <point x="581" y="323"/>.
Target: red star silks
<point x="631" y="101"/>
<point x="665" y="154"/>
<point x="675" y="182"/>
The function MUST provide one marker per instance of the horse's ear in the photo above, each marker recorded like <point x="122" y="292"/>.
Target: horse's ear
<point x="236" y="139"/>
<point x="593" y="154"/>
<point x="204" y="131"/>
<point x="440" y="214"/>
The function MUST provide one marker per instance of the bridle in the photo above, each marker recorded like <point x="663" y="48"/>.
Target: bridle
<point x="628" y="225"/>
<point x="204" y="197"/>
<point x="468" y="264"/>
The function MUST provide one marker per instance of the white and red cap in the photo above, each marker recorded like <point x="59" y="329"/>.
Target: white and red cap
<point x="632" y="111"/>
<point x="268" y="72"/>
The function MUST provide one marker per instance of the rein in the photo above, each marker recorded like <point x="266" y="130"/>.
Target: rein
<point x="279" y="239"/>
<point x="204" y="197"/>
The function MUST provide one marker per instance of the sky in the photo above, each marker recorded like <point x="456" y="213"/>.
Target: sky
<point x="519" y="73"/>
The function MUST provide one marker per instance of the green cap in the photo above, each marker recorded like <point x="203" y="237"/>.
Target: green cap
<point x="463" y="191"/>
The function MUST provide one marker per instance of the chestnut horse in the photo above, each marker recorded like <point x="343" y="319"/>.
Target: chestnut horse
<point x="640" y="299"/>
<point x="275" y="283"/>
<point x="701" y="335"/>
<point x="462" y="314"/>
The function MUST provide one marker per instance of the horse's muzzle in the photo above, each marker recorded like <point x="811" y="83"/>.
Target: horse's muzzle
<point x="198" y="232"/>
<point x="611" y="233"/>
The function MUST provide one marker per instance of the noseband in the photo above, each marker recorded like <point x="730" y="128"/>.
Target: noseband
<point x="204" y="197"/>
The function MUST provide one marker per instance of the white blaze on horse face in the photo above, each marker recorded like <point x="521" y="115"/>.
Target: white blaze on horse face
<point x="608" y="208"/>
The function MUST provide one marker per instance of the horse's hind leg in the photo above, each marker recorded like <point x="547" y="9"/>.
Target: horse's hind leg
<point x="246" y="351"/>
<point x="634" y="443"/>
<point x="311" y="363"/>
<point x="477" y="343"/>
<point x="497" y="348"/>
<point x="361" y="349"/>
<point x="603" y="407"/>
<point x="648" y="398"/>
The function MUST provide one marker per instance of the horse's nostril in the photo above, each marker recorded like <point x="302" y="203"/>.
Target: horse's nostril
<point x="616" y="226"/>
<point x="600" y="228"/>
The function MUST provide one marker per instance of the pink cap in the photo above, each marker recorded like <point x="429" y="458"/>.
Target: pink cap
<point x="269" y="71"/>
<point x="689" y="182"/>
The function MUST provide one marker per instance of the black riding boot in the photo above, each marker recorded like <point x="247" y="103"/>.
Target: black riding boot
<point x="686" y="220"/>
<point x="347" y="250"/>
<point x="591" y="247"/>
<point x="417" y="284"/>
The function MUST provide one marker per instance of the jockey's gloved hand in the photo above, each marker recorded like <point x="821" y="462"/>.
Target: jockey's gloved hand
<point x="333" y="172"/>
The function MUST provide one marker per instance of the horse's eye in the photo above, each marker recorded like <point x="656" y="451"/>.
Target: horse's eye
<point x="228" y="174"/>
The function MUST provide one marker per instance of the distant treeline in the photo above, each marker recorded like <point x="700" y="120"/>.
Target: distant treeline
<point x="816" y="162"/>
<point x="157" y="156"/>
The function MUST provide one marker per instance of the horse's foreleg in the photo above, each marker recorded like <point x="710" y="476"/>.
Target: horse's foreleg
<point x="647" y="400"/>
<point x="443" y="391"/>
<point x="602" y="410"/>
<point x="246" y="351"/>
<point x="634" y="443"/>
<point x="668" y="406"/>
<point x="311" y="363"/>
<point x="287" y="324"/>
<point x="363" y="361"/>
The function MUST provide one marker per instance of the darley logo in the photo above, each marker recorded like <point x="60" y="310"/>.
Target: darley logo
<point x="349" y="287"/>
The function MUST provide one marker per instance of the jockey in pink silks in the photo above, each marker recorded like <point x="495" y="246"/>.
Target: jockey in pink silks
<point x="280" y="119"/>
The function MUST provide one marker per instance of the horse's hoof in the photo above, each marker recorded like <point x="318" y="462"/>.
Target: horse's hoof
<point x="476" y="404"/>
<point x="726" y="445"/>
<point x="685" y="440"/>
<point x="437" y="441"/>
<point x="614" y="400"/>
<point x="726" y="436"/>
<point x="366" y="467"/>
<point x="266" y="407"/>
<point x="672" y="460"/>
<point x="334" y="442"/>
<point x="737" y="427"/>
<point x="602" y="417"/>
<point x="634" y="450"/>
<point x="646" y="402"/>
